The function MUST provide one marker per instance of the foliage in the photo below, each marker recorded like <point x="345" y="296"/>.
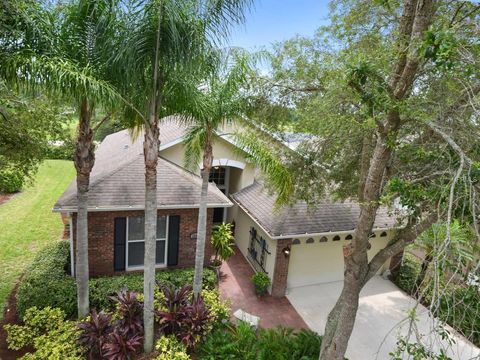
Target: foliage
<point x="261" y="281"/>
<point x="94" y="332"/>
<point x="26" y="127"/>
<point x="222" y="242"/>
<point x="183" y="316"/>
<point x="415" y="351"/>
<point x="46" y="283"/>
<point x="219" y="310"/>
<point x="408" y="273"/>
<point x="243" y="342"/>
<point x="62" y="151"/>
<point x="459" y="306"/>
<point x="36" y="323"/>
<point x="121" y="346"/>
<point x="51" y="335"/>
<point x="11" y="179"/>
<point x="171" y="349"/>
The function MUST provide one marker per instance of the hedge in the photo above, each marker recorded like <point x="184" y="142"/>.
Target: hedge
<point x="46" y="283"/>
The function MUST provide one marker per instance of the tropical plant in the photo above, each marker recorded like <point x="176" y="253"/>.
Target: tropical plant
<point x="94" y="333"/>
<point x="64" y="51"/>
<point x="165" y="46"/>
<point x="261" y="281"/>
<point x="222" y="242"/>
<point x="221" y="100"/>
<point x="171" y="349"/>
<point x="120" y="346"/>
<point x="182" y="315"/>
<point x="130" y="312"/>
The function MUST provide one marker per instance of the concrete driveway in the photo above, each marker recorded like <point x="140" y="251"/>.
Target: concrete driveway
<point x="381" y="317"/>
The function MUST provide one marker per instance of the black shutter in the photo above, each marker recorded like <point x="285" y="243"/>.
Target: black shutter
<point x="173" y="239"/>
<point x="119" y="239"/>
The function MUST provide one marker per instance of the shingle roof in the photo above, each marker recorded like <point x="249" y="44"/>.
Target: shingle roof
<point x="117" y="178"/>
<point x="300" y="219"/>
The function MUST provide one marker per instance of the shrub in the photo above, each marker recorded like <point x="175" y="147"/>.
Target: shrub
<point x="460" y="307"/>
<point x="121" y="346"/>
<point x="261" y="282"/>
<point x="219" y="310"/>
<point x="222" y="242"/>
<point x="46" y="283"/>
<point x="51" y="335"/>
<point x="243" y="342"/>
<point x="63" y="151"/>
<point x="11" y="180"/>
<point x="408" y="273"/>
<point x="171" y="349"/>
<point x="94" y="331"/>
<point x="182" y="316"/>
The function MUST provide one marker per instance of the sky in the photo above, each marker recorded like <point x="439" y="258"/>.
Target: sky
<point x="275" y="20"/>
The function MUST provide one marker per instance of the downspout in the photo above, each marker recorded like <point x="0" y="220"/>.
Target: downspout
<point x="72" y="262"/>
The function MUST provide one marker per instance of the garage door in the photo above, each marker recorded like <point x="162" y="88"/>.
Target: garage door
<point x="315" y="263"/>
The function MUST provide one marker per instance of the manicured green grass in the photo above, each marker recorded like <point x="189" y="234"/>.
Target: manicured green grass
<point x="27" y="222"/>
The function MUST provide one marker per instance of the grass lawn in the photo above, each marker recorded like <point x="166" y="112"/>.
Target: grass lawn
<point x="27" y="222"/>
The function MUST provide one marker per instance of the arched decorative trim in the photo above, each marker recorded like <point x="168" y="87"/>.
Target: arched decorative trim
<point x="336" y="238"/>
<point x="383" y="234"/>
<point x="349" y="237"/>
<point x="323" y="239"/>
<point x="296" y="242"/>
<point x="310" y="241"/>
<point x="227" y="162"/>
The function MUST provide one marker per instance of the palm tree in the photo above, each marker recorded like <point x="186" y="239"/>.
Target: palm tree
<point x="221" y="100"/>
<point x="165" y="46"/>
<point x="64" y="51"/>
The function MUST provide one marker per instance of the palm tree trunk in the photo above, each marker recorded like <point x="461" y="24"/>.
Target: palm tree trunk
<point x="84" y="160"/>
<point x="150" y="149"/>
<point x="202" y="218"/>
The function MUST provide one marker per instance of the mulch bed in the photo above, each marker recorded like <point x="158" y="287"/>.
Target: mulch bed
<point x="3" y="199"/>
<point x="10" y="317"/>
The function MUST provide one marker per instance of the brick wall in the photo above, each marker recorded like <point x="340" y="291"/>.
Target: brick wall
<point x="101" y="231"/>
<point x="280" y="274"/>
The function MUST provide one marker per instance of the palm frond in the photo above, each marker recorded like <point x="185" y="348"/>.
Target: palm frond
<point x="270" y="162"/>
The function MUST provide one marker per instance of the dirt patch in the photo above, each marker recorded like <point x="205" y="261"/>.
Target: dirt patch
<point x="6" y="197"/>
<point x="10" y="317"/>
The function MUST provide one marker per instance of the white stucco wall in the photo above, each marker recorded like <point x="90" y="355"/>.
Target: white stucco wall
<point x="243" y="223"/>
<point x="322" y="262"/>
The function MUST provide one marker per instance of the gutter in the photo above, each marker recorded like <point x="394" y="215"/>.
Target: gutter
<point x="61" y="209"/>
<point x="304" y="235"/>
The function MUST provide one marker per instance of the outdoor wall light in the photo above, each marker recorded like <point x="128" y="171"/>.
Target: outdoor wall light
<point x="193" y="236"/>
<point x="286" y="251"/>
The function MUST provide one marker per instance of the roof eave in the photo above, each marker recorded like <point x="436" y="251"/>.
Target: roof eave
<point x="61" y="209"/>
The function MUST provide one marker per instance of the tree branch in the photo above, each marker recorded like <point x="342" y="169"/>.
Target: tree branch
<point x="404" y="237"/>
<point x="101" y="122"/>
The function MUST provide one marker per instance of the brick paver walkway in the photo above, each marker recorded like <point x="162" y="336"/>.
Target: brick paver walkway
<point x="236" y="285"/>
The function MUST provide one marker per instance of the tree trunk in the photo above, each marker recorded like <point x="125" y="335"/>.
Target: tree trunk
<point x="150" y="149"/>
<point x="84" y="160"/>
<point x="202" y="218"/>
<point x="416" y="17"/>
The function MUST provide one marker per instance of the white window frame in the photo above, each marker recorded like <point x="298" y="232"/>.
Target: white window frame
<point x="127" y="241"/>
<point x="225" y="187"/>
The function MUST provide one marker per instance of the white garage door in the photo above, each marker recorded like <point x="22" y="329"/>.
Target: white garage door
<point x="315" y="263"/>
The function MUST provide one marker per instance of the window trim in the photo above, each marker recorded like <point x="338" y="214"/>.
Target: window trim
<point x="127" y="241"/>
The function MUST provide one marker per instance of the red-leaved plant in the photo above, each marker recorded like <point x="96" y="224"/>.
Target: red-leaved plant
<point x="181" y="315"/>
<point x="94" y="333"/>
<point x="118" y="339"/>
<point x="121" y="347"/>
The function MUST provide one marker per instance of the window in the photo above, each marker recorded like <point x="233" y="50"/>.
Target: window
<point x="218" y="176"/>
<point x="136" y="241"/>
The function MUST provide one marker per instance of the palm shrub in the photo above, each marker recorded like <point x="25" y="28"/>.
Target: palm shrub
<point x="222" y="242"/>
<point x="261" y="281"/>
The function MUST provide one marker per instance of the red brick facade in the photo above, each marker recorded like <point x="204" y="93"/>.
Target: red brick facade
<point x="101" y="238"/>
<point x="280" y="274"/>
